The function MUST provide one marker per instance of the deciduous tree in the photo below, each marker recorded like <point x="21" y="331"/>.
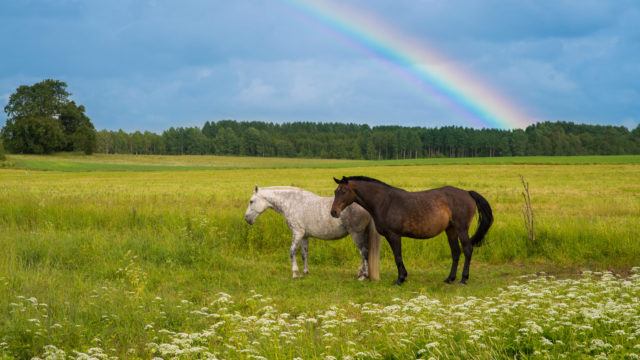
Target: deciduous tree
<point x="41" y="119"/>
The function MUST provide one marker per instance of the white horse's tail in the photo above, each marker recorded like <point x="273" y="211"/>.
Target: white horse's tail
<point x="374" y="251"/>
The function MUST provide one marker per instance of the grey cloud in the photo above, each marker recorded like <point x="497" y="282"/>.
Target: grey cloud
<point x="151" y="65"/>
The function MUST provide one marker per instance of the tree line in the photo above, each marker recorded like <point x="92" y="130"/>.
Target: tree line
<point x="41" y="118"/>
<point x="353" y="141"/>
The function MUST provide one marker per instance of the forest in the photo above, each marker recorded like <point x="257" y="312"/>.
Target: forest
<point x="355" y="141"/>
<point x="42" y="118"/>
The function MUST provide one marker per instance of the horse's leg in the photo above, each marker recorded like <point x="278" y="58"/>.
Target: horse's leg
<point x="295" y="242"/>
<point x="305" y="253"/>
<point x="452" y="236"/>
<point x="467" y="247"/>
<point x="396" y="246"/>
<point x="361" y="242"/>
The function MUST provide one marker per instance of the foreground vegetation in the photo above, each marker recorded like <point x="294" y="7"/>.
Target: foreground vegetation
<point x="159" y="262"/>
<point x="596" y="315"/>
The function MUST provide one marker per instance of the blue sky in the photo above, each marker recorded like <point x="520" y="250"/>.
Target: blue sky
<point x="149" y="65"/>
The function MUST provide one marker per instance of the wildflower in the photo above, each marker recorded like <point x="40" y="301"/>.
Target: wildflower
<point x="546" y="341"/>
<point x="431" y="345"/>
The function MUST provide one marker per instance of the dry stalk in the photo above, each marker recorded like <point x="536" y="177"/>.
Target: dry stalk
<point x="527" y="211"/>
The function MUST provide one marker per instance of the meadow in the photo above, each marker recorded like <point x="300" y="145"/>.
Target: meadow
<point x="149" y="256"/>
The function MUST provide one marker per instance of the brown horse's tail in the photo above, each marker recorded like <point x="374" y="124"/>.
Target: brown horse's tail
<point x="374" y="251"/>
<point x="485" y="218"/>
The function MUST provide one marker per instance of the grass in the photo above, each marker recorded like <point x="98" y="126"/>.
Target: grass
<point x="119" y="256"/>
<point x="102" y="162"/>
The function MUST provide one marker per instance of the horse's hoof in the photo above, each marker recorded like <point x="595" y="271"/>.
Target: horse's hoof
<point x="306" y="272"/>
<point x="449" y="280"/>
<point x="463" y="282"/>
<point x="296" y="275"/>
<point x="362" y="277"/>
<point x="398" y="282"/>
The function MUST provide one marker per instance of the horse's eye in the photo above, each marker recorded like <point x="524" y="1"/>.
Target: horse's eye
<point x="250" y="201"/>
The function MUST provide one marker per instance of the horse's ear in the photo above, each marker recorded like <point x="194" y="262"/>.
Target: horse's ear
<point x="336" y="180"/>
<point x="344" y="180"/>
<point x="255" y="190"/>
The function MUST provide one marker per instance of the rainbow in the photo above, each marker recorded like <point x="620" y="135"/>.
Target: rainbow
<point x="420" y="64"/>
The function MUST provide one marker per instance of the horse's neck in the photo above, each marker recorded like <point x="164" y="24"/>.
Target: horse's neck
<point x="371" y="195"/>
<point x="282" y="201"/>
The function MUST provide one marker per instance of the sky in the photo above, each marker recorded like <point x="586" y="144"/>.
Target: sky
<point x="150" y="65"/>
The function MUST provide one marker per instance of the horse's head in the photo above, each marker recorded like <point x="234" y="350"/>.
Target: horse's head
<point x="257" y="205"/>
<point x="344" y="196"/>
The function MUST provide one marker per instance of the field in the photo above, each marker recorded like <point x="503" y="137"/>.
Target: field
<point x="149" y="256"/>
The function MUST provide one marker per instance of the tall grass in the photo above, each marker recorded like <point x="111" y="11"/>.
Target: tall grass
<point x="111" y="252"/>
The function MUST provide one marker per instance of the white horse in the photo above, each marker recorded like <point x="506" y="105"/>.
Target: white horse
<point x="308" y="214"/>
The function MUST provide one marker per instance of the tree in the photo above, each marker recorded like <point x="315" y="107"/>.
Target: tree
<point x="2" y="156"/>
<point x="414" y="143"/>
<point x="518" y="142"/>
<point x="137" y="143"/>
<point x="84" y="139"/>
<point x="104" y="142"/>
<point x="156" y="143"/>
<point x="227" y="142"/>
<point x="41" y="119"/>
<point x="121" y="142"/>
<point x="78" y="129"/>
<point x="33" y="135"/>
<point x="44" y="99"/>
<point x="635" y="139"/>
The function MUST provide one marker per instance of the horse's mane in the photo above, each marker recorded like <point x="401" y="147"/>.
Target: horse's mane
<point x="367" y="179"/>
<point x="281" y="188"/>
<point x="286" y="189"/>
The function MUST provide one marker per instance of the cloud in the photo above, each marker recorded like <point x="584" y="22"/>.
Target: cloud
<point x="539" y="75"/>
<point x="499" y="21"/>
<point x="630" y="123"/>
<point x="151" y="65"/>
<point x="257" y="92"/>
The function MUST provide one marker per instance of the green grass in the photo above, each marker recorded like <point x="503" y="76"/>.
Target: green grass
<point x="101" y="162"/>
<point x="99" y="246"/>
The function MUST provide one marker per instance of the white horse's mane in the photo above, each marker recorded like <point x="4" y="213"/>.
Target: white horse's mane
<point x="285" y="188"/>
<point x="281" y="188"/>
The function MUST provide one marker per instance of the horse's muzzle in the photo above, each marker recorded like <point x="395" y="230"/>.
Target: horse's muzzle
<point x="335" y="213"/>
<point x="248" y="219"/>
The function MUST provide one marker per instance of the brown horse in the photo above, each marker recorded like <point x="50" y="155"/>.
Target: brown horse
<point x="420" y="215"/>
